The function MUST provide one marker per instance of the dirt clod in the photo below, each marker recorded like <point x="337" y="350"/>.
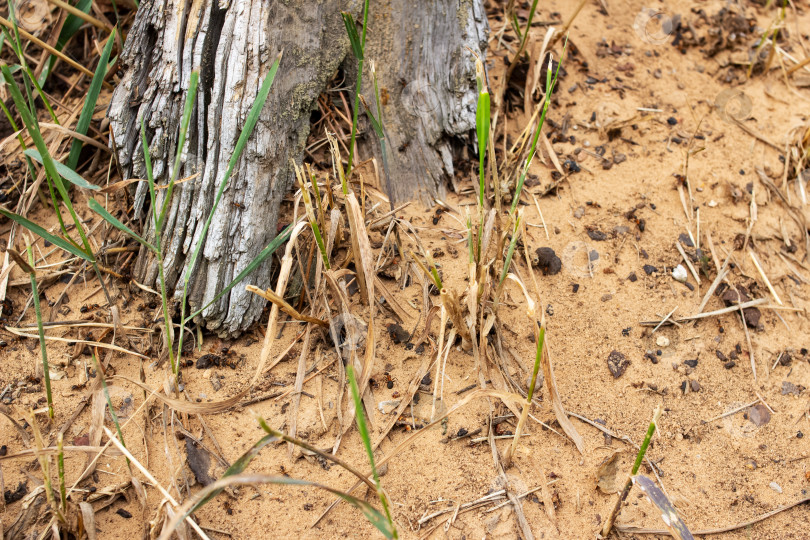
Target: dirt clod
<point x="759" y="415"/>
<point x="548" y="261"/>
<point x="617" y="364"/>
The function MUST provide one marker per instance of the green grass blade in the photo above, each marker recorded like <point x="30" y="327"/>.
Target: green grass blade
<point x="181" y="142"/>
<point x="47" y="161"/>
<point x="550" y="84"/>
<point x="86" y="115"/>
<point x="247" y="130"/>
<point x="40" y="331"/>
<point x="354" y="38"/>
<point x="374" y="517"/>
<point x="238" y="467"/>
<point x="282" y="237"/>
<point x="64" y="171"/>
<point x="482" y="123"/>
<point x="360" y="58"/>
<point x="109" y="218"/>
<point x="39" y="231"/>
<point x="60" y="464"/>
<point x="363" y="429"/>
<point x="511" y="251"/>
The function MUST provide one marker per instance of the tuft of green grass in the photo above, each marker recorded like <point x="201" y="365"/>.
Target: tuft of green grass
<point x="158" y="213"/>
<point x="25" y="106"/>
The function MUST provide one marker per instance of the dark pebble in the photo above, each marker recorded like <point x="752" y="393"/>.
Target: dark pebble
<point x="596" y="235"/>
<point x="685" y="240"/>
<point x="632" y="277"/>
<point x="208" y="360"/>
<point x="617" y="364"/>
<point x="548" y="261"/>
<point x="3" y="450"/>
<point x="720" y="356"/>
<point x="427" y="380"/>
<point x="649" y="269"/>
<point x="730" y="364"/>
<point x="14" y="496"/>
<point x="691" y="363"/>
<point x="695" y="386"/>
<point x="123" y="513"/>
<point x="799" y="434"/>
<point x="672" y="121"/>
<point x="398" y="334"/>
<point x="575" y="287"/>
<point x="649" y="355"/>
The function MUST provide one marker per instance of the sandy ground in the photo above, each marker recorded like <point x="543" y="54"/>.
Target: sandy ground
<point x="633" y="106"/>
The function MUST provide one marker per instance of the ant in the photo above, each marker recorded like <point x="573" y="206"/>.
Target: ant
<point x="389" y="380"/>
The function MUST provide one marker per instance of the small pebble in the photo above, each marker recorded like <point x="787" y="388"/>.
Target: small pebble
<point x="649" y="269"/>
<point x="606" y="297"/>
<point x="662" y="341"/>
<point x="776" y="487"/>
<point x="691" y="363"/>
<point x="679" y="273"/>
<point x="695" y="386"/>
<point x="730" y="364"/>
<point x="672" y="121"/>
<point x="632" y="277"/>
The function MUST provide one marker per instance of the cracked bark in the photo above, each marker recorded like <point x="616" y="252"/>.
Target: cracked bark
<point x="419" y="48"/>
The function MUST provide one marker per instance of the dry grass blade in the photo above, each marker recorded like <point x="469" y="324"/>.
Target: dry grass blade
<point x="85" y="342"/>
<point x="35" y="40"/>
<point x="26" y="439"/>
<point x="630" y="529"/>
<point x="88" y="519"/>
<point x="53" y="450"/>
<point x="270" y="296"/>
<point x="361" y="248"/>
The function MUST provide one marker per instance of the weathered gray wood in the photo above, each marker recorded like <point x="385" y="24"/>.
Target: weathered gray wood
<point x="422" y="53"/>
<point x="232" y="44"/>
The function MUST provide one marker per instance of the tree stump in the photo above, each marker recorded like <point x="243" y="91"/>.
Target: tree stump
<point x="422" y="54"/>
